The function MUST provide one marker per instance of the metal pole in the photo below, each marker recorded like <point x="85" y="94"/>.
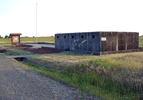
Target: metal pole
<point x="36" y="27"/>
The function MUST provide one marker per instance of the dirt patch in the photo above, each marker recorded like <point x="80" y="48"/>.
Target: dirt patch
<point x="41" y="50"/>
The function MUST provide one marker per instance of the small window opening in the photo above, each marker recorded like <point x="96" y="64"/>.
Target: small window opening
<point x="64" y="36"/>
<point x="93" y="36"/>
<point x="57" y="36"/>
<point x="82" y="36"/>
<point x="72" y="36"/>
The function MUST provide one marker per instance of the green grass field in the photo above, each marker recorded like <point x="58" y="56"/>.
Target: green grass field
<point x="48" y="40"/>
<point x="141" y="41"/>
<point x="30" y="40"/>
<point x="111" y="77"/>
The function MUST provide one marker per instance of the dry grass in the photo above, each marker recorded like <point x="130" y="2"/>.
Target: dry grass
<point x="29" y="40"/>
<point x="59" y="61"/>
<point x="126" y="68"/>
<point x="13" y="51"/>
<point x="131" y="73"/>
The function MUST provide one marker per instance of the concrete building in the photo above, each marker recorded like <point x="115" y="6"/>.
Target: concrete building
<point x="97" y="42"/>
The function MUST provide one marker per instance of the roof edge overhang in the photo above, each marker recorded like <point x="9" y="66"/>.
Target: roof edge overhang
<point x="15" y="34"/>
<point x="98" y="31"/>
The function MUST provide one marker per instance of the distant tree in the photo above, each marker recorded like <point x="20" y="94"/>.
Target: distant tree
<point x="33" y="36"/>
<point x="6" y="36"/>
<point x="52" y="36"/>
<point x="9" y="36"/>
<point x="1" y="36"/>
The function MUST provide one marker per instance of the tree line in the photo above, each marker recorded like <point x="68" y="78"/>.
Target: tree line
<point x="6" y="36"/>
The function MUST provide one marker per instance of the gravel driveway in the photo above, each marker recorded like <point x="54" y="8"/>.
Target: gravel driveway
<point x="19" y="83"/>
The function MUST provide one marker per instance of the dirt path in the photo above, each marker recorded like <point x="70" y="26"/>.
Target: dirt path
<point x="18" y="83"/>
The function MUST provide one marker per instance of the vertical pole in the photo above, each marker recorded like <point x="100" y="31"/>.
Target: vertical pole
<point x="11" y="42"/>
<point x="87" y="41"/>
<point x="36" y="27"/>
<point x="19" y="42"/>
<point x="117" y="42"/>
<point x="138" y="40"/>
<point x="133" y="41"/>
<point x="126" y="38"/>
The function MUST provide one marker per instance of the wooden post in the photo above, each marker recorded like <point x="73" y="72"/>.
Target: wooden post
<point x="117" y="42"/>
<point x="126" y="41"/>
<point x="11" y="42"/>
<point x="133" y="42"/>
<point x="19" y="42"/>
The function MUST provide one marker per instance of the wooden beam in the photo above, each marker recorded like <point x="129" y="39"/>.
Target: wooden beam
<point x="126" y="37"/>
<point x="117" y="42"/>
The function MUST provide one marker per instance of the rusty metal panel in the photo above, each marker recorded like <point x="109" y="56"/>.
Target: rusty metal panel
<point x="129" y="41"/>
<point x="121" y="40"/>
<point x="113" y="39"/>
<point x="136" y="40"/>
<point x="103" y="42"/>
<point x="116" y="41"/>
<point x="108" y="41"/>
<point x="132" y="40"/>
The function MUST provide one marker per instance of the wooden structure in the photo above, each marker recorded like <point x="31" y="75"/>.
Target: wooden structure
<point x="97" y="42"/>
<point x="117" y="41"/>
<point x="15" y="38"/>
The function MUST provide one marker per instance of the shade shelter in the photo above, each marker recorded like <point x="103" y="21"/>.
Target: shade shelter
<point x="15" y="38"/>
<point x="97" y="42"/>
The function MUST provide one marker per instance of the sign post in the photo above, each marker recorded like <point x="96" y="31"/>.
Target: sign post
<point x="15" y="38"/>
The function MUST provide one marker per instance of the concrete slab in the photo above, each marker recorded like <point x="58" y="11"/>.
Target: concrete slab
<point x="41" y="45"/>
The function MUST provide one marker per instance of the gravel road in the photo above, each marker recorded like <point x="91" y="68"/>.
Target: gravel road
<point x="19" y="83"/>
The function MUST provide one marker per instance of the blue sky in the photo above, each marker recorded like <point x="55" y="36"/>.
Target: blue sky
<point x="62" y="16"/>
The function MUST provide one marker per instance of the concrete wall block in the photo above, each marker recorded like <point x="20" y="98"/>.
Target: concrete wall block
<point x="76" y="41"/>
<point x="72" y="41"/>
<point x="65" y="40"/>
<point x="94" y="41"/>
<point x="82" y="41"/>
<point x="57" y="41"/>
